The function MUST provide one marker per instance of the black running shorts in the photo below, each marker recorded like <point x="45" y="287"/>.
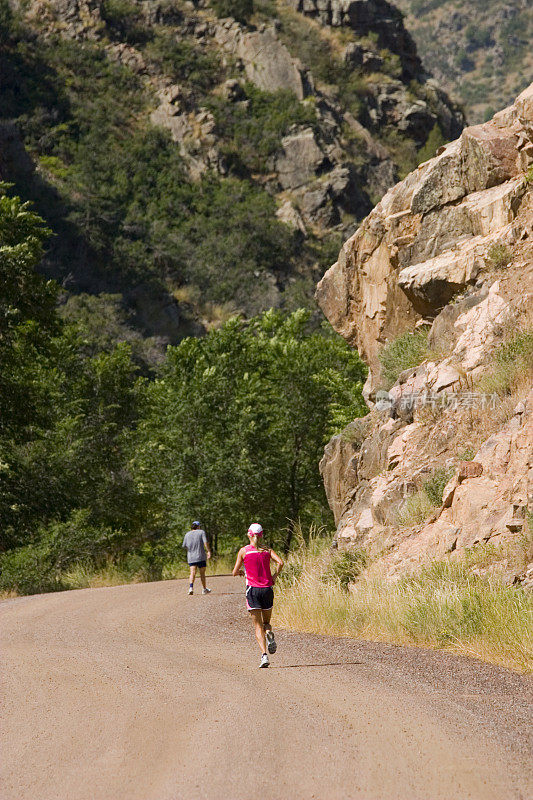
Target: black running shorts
<point x="198" y="564"/>
<point x="259" y="598"/>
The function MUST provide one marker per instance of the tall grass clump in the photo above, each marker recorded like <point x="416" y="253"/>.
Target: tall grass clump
<point x="422" y="503"/>
<point x="512" y="365"/>
<point x="444" y="606"/>
<point x="405" y="352"/>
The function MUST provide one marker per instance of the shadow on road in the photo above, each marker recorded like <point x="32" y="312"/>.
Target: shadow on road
<point x="324" y="664"/>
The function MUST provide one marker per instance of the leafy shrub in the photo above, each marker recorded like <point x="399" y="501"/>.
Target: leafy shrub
<point x="125" y="21"/>
<point x="499" y="255"/>
<point x="408" y="350"/>
<point x="38" y="567"/>
<point x="77" y="539"/>
<point x="434" y="486"/>
<point x="241" y="10"/>
<point x="28" y="570"/>
<point x="344" y="567"/>
<point x="182" y="61"/>
<point x="252" y="131"/>
<point x="435" y="140"/>
<point x="513" y="363"/>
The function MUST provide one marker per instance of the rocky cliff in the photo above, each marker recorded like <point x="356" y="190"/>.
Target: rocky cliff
<point x="318" y="107"/>
<point x="436" y="290"/>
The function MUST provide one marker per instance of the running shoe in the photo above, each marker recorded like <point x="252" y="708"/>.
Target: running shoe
<point x="190" y="590"/>
<point x="271" y="642"/>
<point x="264" y="661"/>
<point x="206" y="591"/>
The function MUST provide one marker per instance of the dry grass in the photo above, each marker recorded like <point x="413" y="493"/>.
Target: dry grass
<point x="445" y="606"/>
<point x="8" y="595"/>
<point x="212" y="315"/>
<point x="115" y="574"/>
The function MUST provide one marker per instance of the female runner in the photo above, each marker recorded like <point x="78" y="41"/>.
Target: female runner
<point x="259" y="592"/>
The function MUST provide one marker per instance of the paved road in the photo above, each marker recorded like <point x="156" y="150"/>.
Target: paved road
<point x="142" y="693"/>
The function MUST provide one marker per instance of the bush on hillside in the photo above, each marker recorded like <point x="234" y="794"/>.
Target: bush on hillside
<point x="512" y="365"/>
<point x="241" y="10"/>
<point x="499" y="255"/>
<point x="408" y="350"/>
<point x="252" y="132"/>
<point x="434" y="485"/>
<point x="125" y="21"/>
<point x="181" y="60"/>
<point x="435" y="140"/>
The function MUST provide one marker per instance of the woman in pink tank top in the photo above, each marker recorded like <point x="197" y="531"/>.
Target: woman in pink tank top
<point x="254" y="562"/>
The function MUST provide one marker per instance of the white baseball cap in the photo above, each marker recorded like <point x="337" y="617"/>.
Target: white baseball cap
<point x="255" y="529"/>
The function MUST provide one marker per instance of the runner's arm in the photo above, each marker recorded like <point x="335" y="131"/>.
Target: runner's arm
<point x="279" y="564"/>
<point x="237" y="569"/>
<point x="206" y="545"/>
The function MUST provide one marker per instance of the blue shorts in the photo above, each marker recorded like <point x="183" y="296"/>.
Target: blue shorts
<point x="198" y="564"/>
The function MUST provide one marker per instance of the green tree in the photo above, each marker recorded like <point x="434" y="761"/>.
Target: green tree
<point x="63" y="414"/>
<point x="235" y="427"/>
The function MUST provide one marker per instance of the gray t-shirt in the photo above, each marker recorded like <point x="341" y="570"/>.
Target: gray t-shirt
<point x="195" y="542"/>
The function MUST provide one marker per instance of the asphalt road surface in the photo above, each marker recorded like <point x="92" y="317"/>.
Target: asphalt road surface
<point x="141" y="692"/>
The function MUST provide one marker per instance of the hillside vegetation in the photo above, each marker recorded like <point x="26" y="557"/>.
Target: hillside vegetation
<point x="176" y="176"/>
<point x="480" y="51"/>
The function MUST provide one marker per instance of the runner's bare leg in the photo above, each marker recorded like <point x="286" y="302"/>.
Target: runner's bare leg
<point x="202" y="576"/>
<point x="266" y="619"/>
<point x="257" y="618"/>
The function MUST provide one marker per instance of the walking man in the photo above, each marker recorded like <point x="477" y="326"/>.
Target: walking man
<point x="195" y="542"/>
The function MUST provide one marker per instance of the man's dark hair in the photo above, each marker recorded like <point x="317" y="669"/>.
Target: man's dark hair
<point x="195" y="525"/>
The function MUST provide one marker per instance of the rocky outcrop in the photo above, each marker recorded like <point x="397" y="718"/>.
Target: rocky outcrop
<point x="490" y="505"/>
<point x="430" y="236"/>
<point x="423" y="258"/>
<point x="196" y="74"/>
<point x="266" y="61"/>
<point x="367" y="16"/>
<point x="258" y="55"/>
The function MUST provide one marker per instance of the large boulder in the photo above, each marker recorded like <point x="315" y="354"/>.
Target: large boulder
<point x="299" y="160"/>
<point x="267" y="62"/>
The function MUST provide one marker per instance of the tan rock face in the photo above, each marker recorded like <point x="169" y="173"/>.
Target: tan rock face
<point x="267" y="62"/>
<point x="429" y="236"/>
<point x="428" y="239"/>
<point x="480" y="508"/>
<point x="299" y="160"/>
